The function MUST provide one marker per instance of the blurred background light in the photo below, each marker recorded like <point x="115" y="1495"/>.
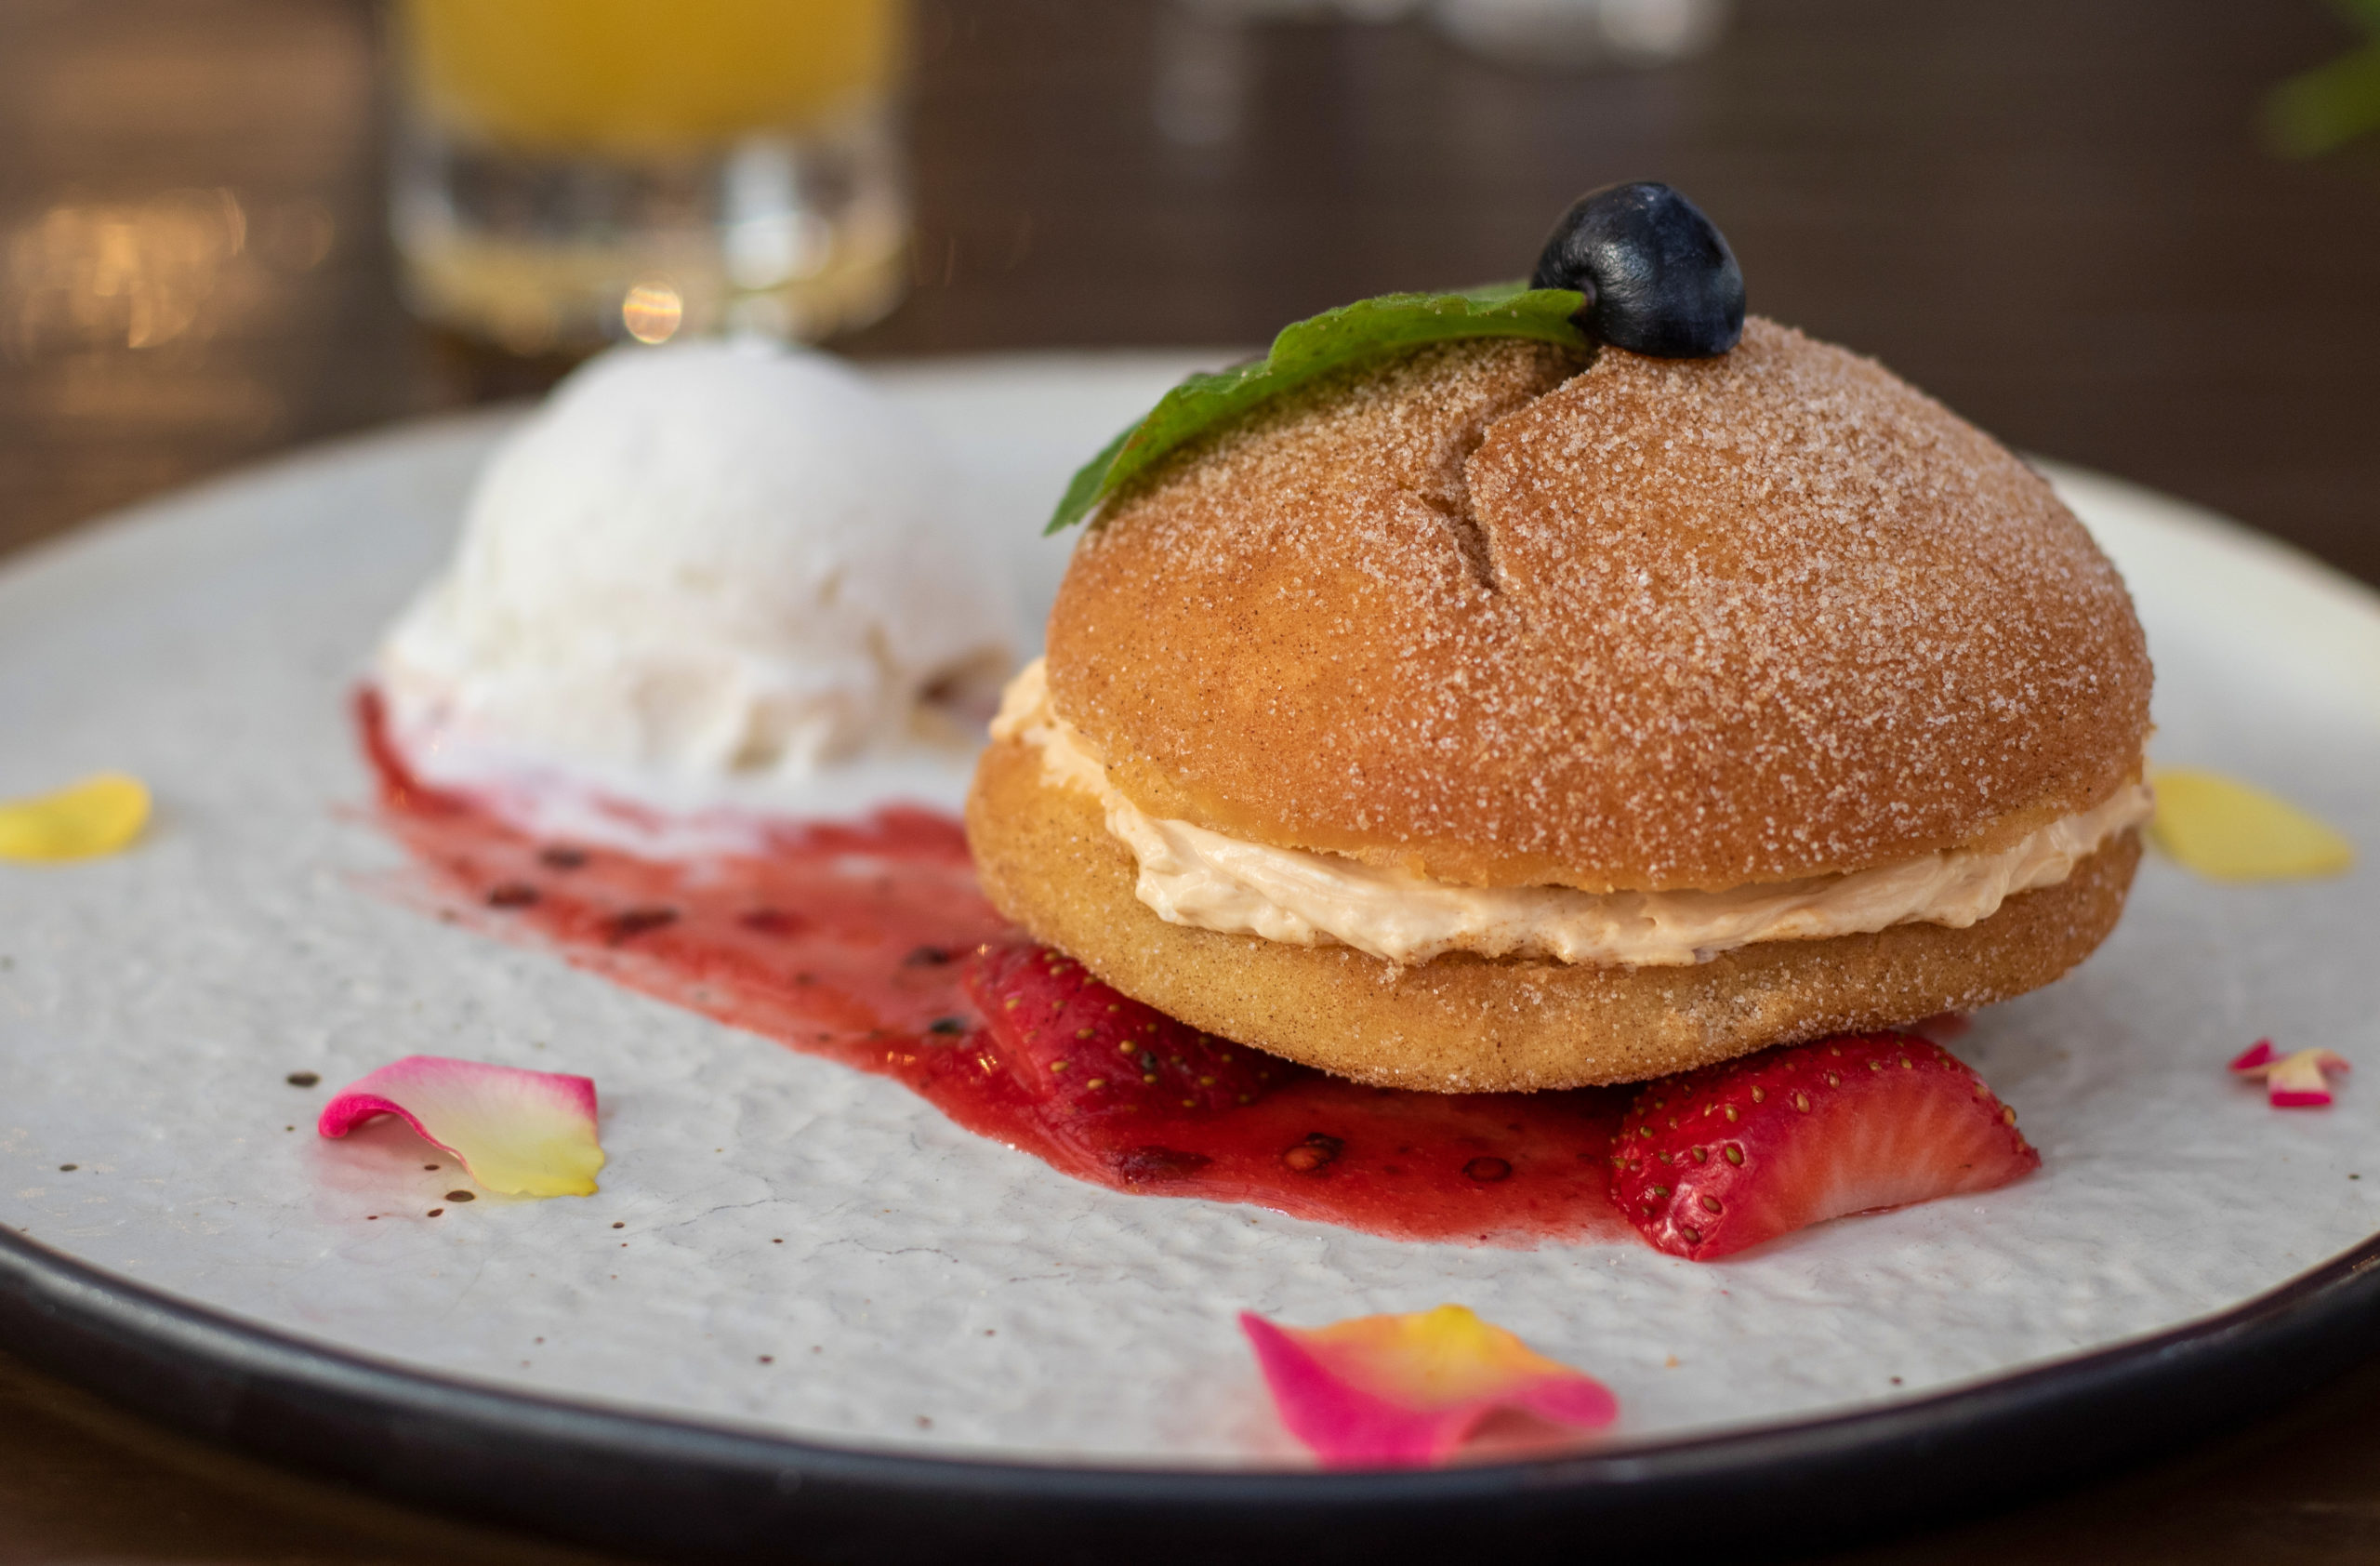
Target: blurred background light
<point x="1569" y="34"/>
<point x="651" y="311"/>
<point x="129" y="275"/>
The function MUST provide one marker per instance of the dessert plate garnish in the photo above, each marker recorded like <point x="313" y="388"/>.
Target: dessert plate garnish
<point x="2300" y="1080"/>
<point x="1407" y="1391"/>
<point x="1315" y="346"/>
<point x="1096" y="1058"/>
<point x="100" y="815"/>
<point x="2229" y="831"/>
<point x="1719" y="1159"/>
<point x="1635" y="265"/>
<point x="1657" y="276"/>
<point x="520" y="1132"/>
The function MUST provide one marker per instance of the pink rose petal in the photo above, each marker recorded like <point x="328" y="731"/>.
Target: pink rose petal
<point x="2259" y="1054"/>
<point x="2298" y="1081"/>
<point x="1405" y="1392"/>
<point x="522" y="1132"/>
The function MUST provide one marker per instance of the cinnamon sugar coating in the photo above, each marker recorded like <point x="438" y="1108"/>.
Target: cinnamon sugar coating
<point x="1504" y="617"/>
<point x="1461" y="1025"/>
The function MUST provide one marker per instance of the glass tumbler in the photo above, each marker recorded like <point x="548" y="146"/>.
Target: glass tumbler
<point x="572" y="172"/>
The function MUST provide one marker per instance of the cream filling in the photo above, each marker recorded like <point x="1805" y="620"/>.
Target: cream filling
<point x="1192" y="876"/>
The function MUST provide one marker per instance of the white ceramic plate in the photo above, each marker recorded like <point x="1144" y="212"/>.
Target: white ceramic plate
<point x="914" y="1288"/>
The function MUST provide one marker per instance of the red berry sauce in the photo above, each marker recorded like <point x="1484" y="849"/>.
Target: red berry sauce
<point x="869" y="943"/>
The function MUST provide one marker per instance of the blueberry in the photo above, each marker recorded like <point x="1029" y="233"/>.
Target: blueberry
<point x="1658" y="274"/>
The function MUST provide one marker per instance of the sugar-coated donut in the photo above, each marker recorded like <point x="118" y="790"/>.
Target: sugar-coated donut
<point x="1664" y="623"/>
<point x="1501" y="615"/>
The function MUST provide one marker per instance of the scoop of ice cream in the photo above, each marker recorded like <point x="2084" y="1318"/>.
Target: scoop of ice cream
<point x="702" y="564"/>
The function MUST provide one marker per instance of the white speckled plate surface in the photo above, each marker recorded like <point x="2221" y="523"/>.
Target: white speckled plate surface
<point x="813" y="1252"/>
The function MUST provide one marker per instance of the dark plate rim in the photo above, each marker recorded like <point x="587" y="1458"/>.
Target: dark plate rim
<point x="658" y="1485"/>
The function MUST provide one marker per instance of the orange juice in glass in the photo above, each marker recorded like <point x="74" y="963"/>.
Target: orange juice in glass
<point x="570" y="172"/>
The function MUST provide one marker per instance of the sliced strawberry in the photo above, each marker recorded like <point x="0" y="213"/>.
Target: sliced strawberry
<point x="1070" y="1041"/>
<point x="1714" y="1161"/>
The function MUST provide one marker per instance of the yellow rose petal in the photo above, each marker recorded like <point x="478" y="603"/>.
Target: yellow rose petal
<point x="2230" y="831"/>
<point x="97" y="815"/>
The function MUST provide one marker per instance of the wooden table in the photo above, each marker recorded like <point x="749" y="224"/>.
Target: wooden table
<point x="2057" y="218"/>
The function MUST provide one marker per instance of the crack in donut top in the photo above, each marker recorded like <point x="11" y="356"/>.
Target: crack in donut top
<point x="1753" y="618"/>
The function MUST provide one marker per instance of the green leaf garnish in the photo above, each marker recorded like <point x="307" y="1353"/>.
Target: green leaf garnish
<point x="1313" y="347"/>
